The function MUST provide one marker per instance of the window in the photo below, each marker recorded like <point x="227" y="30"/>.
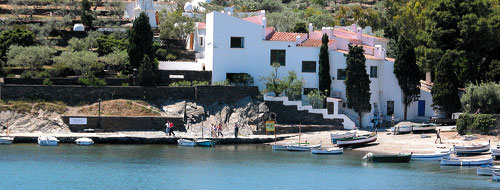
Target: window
<point x="373" y="71"/>
<point x="201" y="41"/>
<point x="309" y="66"/>
<point x="278" y="56"/>
<point x="340" y="74"/>
<point x="308" y="90"/>
<point x="390" y="108"/>
<point x="237" y="42"/>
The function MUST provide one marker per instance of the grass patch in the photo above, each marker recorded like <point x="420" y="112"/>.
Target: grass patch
<point x="32" y="106"/>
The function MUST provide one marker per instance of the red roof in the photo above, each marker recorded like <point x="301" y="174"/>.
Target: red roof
<point x="368" y="36"/>
<point x="202" y="25"/>
<point x="285" y="36"/>
<point x="255" y="19"/>
<point x="313" y="43"/>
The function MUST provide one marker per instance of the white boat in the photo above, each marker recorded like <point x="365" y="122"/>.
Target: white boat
<point x="402" y="129"/>
<point x="495" y="151"/>
<point x="496" y="177"/>
<point x="438" y="155"/>
<point x="84" y="141"/>
<point x="335" y="150"/>
<point x="473" y="149"/>
<point x="357" y="141"/>
<point x="487" y="170"/>
<point x="346" y="135"/>
<point x="463" y="162"/>
<point x="279" y="147"/>
<point x="423" y="127"/>
<point x="47" y="141"/>
<point x="186" y="142"/>
<point x="302" y="147"/>
<point x="6" y="140"/>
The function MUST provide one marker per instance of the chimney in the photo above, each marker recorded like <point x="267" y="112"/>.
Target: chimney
<point x="354" y="27"/>
<point x="263" y="24"/>
<point x="263" y="13"/>
<point x="311" y="28"/>
<point x="428" y="78"/>
<point x="359" y="33"/>
<point x="297" y="40"/>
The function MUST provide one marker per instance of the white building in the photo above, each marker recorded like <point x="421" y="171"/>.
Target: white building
<point x="227" y="45"/>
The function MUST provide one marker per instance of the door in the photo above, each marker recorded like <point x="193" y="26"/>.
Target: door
<point x="421" y="108"/>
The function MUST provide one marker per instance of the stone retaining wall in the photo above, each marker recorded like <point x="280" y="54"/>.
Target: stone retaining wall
<point x="120" y="123"/>
<point x="290" y="115"/>
<point x="64" y="81"/>
<point x="169" y="76"/>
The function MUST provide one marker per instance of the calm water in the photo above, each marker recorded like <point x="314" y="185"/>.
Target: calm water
<point x="29" y="166"/>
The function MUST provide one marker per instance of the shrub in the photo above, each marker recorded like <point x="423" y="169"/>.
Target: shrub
<point x="125" y="84"/>
<point x="477" y="123"/>
<point x="28" y="74"/>
<point x="222" y="83"/>
<point x="161" y="54"/>
<point x="180" y="83"/>
<point x="91" y="81"/>
<point x="316" y="98"/>
<point x="485" y="97"/>
<point x="170" y="57"/>
<point x="47" y="82"/>
<point x="42" y="74"/>
<point x="200" y="83"/>
<point x="241" y="79"/>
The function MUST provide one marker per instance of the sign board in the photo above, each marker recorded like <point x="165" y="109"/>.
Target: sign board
<point x="270" y="126"/>
<point x="176" y="76"/>
<point x="77" y="121"/>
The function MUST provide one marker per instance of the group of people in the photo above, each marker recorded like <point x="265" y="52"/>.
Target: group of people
<point x="169" y="128"/>
<point x="215" y="130"/>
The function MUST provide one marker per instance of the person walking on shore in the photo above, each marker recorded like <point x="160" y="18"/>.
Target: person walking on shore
<point x="219" y="130"/>
<point x="167" y="128"/>
<point x="236" y="129"/>
<point x="438" y="136"/>
<point x="171" y="129"/>
<point x="393" y="119"/>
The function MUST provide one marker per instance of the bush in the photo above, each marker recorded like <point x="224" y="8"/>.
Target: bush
<point x="125" y="84"/>
<point x="316" y="99"/>
<point x="170" y="57"/>
<point x="477" y="123"/>
<point x="91" y="81"/>
<point x="180" y="83"/>
<point x="200" y="83"/>
<point x="222" y="83"/>
<point x="161" y="54"/>
<point x="47" y="82"/>
<point x="28" y="74"/>
<point x="485" y="97"/>
<point x="42" y="74"/>
<point x="241" y="79"/>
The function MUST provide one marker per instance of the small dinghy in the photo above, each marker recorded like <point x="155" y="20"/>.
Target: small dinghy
<point x="473" y="149"/>
<point x="186" y="142"/>
<point x="205" y="143"/>
<point x="437" y="156"/>
<point x="335" y="150"/>
<point x="424" y="128"/>
<point x="495" y="151"/>
<point x="84" y="141"/>
<point x="396" y="158"/>
<point x="347" y="135"/>
<point x="357" y="141"/>
<point x="496" y="177"/>
<point x="6" y="140"/>
<point x="279" y="147"/>
<point x="401" y="129"/>
<point x="463" y="162"/>
<point x="302" y="147"/>
<point x="47" y="141"/>
<point x="487" y="170"/>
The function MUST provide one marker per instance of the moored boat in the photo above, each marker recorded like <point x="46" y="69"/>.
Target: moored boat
<point x="47" y="141"/>
<point x="495" y="151"/>
<point x="390" y="158"/>
<point x="84" y="141"/>
<point x="186" y="142"/>
<point x="401" y="129"/>
<point x="357" y="141"/>
<point x="335" y="150"/>
<point x="423" y="127"/>
<point x="464" y="162"/>
<point x="6" y="140"/>
<point x="279" y="147"/>
<point x="437" y="156"/>
<point x="205" y="143"/>
<point x="473" y="149"/>
<point x="496" y="177"/>
<point x="302" y="147"/>
<point x="337" y="136"/>
<point x="487" y="170"/>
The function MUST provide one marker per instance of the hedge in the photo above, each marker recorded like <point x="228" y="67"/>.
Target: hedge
<point x="475" y="123"/>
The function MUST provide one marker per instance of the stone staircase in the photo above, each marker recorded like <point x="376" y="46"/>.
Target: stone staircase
<point x="293" y="112"/>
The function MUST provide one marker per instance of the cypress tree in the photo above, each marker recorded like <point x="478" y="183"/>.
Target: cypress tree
<point x="147" y="72"/>
<point x="407" y="72"/>
<point x="140" y="41"/>
<point x="325" y="80"/>
<point x="357" y="82"/>
<point x="445" y="89"/>
<point x="86" y="15"/>
<point x="300" y="28"/>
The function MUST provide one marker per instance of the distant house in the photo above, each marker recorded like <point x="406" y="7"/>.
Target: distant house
<point x="227" y="45"/>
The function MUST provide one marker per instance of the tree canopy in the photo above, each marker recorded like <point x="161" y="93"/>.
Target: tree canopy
<point x="445" y="89"/>
<point x="325" y="80"/>
<point x="140" y="41"/>
<point x="31" y="57"/>
<point x="357" y="82"/>
<point x="20" y="37"/>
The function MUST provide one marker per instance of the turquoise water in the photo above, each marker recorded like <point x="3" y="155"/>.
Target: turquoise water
<point x="29" y="166"/>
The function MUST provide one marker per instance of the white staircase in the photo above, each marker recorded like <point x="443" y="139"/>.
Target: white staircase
<point x="348" y="123"/>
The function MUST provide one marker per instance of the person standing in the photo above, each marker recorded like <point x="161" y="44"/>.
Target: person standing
<point x="219" y="130"/>
<point x="393" y="119"/>
<point x="438" y="136"/>
<point x="171" y="129"/>
<point x="167" y="128"/>
<point x="236" y="129"/>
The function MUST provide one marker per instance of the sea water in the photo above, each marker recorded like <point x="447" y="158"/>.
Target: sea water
<point x="67" y="166"/>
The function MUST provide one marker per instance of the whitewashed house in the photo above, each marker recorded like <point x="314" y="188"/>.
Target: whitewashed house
<point x="227" y="45"/>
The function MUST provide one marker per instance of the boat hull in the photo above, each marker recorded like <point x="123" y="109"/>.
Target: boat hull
<point x="495" y="152"/>
<point x="471" y="149"/>
<point x="460" y="162"/>
<point x="487" y="170"/>
<point x="184" y="142"/>
<point x="356" y="142"/>
<point x="279" y="147"/>
<point x="6" y="140"/>
<point x="205" y="143"/>
<point x="400" y="158"/>
<point x="302" y="147"/>
<point x="496" y="177"/>
<point x="47" y="141"/>
<point x="339" y="136"/>
<point x="328" y="151"/>
<point x="403" y="129"/>
<point x="430" y="157"/>
<point x="84" y="142"/>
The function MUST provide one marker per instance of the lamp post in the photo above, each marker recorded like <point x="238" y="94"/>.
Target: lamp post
<point x="99" y="115"/>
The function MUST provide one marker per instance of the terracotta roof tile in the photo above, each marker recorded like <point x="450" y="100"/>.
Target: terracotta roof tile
<point x="345" y="31"/>
<point x="202" y="25"/>
<point x="254" y="19"/>
<point x="284" y="36"/>
<point x="366" y="55"/>
<point x="369" y="36"/>
<point x="313" y="43"/>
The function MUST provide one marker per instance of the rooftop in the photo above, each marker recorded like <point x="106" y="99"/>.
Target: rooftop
<point x="284" y="36"/>
<point x="313" y="43"/>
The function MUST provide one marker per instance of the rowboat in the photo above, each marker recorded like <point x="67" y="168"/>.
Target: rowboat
<point x="6" y="140"/>
<point x="84" y="141"/>
<point x="431" y="157"/>
<point x="346" y="135"/>
<point x="357" y="141"/>
<point x="487" y="170"/>
<point x="279" y="147"/>
<point x="327" y="150"/>
<point x="302" y="147"/>
<point x="496" y="177"/>
<point x="205" y="143"/>
<point x="396" y="158"/>
<point x="402" y="129"/>
<point x="463" y="162"/>
<point x="495" y="151"/>
<point x="47" y="141"/>
<point x="424" y="127"/>
<point x="186" y="142"/>
<point x="473" y="149"/>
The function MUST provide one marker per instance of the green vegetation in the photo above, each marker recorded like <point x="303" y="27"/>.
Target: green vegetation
<point x="140" y="40"/>
<point x="445" y="90"/>
<point x="357" y="82"/>
<point x="290" y="85"/>
<point x="47" y="82"/>
<point x="316" y="99"/>
<point x="18" y="37"/>
<point x="107" y="44"/>
<point x="86" y="15"/>
<point x="484" y="98"/>
<point x="147" y="72"/>
<point x="175" y="26"/>
<point x="407" y="72"/>
<point x="475" y="123"/>
<point x="117" y="61"/>
<point x="189" y="83"/>
<point x="293" y="86"/>
<point x="84" y="63"/>
<point x="325" y="80"/>
<point x="31" y="57"/>
<point x="32" y="107"/>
